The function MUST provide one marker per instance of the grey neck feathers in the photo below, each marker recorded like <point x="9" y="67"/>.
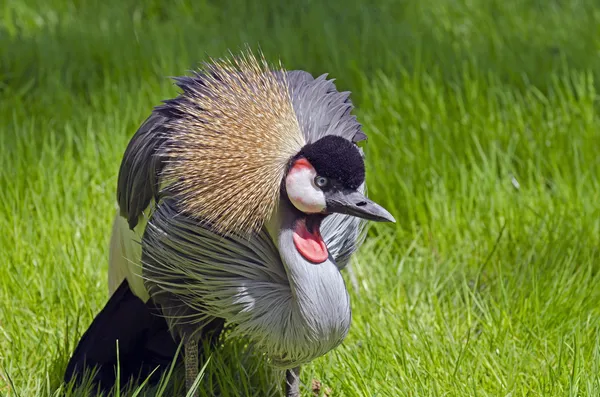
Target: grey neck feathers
<point x="320" y="303"/>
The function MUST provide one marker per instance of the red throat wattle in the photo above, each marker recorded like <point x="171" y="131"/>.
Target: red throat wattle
<point x="309" y="244"/>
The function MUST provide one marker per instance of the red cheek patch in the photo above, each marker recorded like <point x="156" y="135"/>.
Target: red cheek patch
<point x="300" y="164"/>
<point x="310" y="245"/>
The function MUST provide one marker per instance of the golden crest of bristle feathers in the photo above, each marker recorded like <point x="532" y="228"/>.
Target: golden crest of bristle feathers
<point x="229" y="151"/>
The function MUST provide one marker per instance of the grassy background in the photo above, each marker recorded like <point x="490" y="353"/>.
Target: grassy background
<point x="484" y="143"/>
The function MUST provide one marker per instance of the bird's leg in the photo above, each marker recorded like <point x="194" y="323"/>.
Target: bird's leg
<point x="191" y="363"/>
<point x="292" y="382"/>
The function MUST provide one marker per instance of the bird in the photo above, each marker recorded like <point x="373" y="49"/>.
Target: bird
<point x="240" y="200"/>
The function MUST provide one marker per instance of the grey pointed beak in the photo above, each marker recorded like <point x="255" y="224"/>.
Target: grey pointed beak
<point x="357" y="204"/>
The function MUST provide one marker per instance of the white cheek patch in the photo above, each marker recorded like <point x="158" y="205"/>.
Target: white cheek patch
<point x="301" y="188"/>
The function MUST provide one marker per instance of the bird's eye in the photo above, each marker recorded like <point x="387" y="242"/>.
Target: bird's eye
<point x="321" y="181"/>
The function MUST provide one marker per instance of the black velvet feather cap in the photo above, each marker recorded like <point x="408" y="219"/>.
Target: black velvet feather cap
<point x="336" y="158"/>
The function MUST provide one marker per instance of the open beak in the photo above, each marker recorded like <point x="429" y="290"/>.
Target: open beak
<point x="356" y="204"/>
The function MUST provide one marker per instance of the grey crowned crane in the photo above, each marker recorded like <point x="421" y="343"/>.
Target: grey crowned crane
<point x="240" y="201"/>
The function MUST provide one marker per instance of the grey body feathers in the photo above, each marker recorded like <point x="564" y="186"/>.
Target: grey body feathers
<point x="292" y="310"/>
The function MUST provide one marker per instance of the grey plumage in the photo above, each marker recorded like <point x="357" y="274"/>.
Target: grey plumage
<point x="140" y="169"/>
<point x="246" y="282"/>
<point x="321" y="109"/>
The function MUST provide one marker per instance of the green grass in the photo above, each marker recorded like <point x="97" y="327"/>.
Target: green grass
<point x="484" y="144"/>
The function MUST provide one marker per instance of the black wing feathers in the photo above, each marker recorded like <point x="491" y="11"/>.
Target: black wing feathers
<point x="141" y="165"/>
<point x="143" y="337"/>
